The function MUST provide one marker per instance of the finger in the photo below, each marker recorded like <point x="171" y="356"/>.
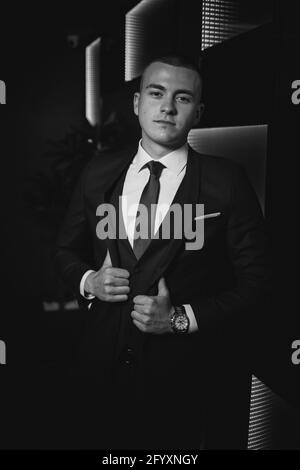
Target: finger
<point x="117" y="281"/>
<point x="112" y="290"/>
<point x="140" y="317"/>
<point x="142" y="299"/>
<point x="143" y="309"/>
<point x="162" y="287"/>
<point x="118" y="272"/>
<point x="117" y="298"/>
<point x="140" y="326"/>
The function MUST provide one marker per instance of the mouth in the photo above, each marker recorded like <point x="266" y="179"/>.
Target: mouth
<point x="160" y="121"/>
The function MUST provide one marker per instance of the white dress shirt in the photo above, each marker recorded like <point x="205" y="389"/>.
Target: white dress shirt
<point x="135" y="181"/>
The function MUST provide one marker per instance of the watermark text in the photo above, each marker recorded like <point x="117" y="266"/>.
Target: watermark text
<point x="2" y="92"/>
<point x="175" y="222"/>
<point x="2" y="352"/>
<point x="296" y="354"/>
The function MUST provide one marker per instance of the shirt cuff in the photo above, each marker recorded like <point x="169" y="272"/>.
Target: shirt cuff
<point x="193" y="322"/>
<point x="82" y="282"/>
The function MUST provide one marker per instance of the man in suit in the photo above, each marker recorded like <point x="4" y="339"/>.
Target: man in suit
<point x="164" y="354"/>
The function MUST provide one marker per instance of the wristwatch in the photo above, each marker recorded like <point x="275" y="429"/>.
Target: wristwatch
<point x="180" y="322"/>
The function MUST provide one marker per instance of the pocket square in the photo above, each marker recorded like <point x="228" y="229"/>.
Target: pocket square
<point x="207" y="216"/>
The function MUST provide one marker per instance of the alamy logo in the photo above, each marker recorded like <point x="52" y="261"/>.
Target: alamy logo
<point x="2" y="352"/>
<point x="2" y="92"/>
<point x="179" y="222"/>
<point x="295" y="97"/>
<point x="296" y="354"/>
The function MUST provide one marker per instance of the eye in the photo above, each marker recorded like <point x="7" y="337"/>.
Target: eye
<point x="155" y="94"/>
<point x="183" y="99"/>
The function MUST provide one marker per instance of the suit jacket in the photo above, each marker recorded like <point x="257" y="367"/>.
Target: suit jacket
<point x="227" y="283"/>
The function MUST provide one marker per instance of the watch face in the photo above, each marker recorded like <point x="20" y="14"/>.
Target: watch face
<point x="181" y="322"/>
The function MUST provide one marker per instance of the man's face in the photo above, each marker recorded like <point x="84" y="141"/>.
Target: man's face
<point x="168" y="106"/>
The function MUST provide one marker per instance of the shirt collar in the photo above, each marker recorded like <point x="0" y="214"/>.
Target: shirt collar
<point x="174" y="161"/>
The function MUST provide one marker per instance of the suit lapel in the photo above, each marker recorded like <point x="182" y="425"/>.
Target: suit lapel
<point x="116" y="175"/>
<point x="187" y="193"/>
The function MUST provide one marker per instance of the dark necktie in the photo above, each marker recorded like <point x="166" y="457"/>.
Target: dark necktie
<point x="149" y="196"/>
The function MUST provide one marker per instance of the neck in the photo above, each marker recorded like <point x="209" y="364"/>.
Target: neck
<point x="157" y="151"/>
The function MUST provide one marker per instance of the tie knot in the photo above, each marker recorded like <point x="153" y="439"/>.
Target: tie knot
<point x="155" y="168"/>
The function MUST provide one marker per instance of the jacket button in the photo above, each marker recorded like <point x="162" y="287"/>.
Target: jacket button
<point x="127" y="356"/>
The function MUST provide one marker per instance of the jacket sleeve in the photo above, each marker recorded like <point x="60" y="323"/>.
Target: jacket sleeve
<point x="74" y="242"/>
<point x="236" y="309"/>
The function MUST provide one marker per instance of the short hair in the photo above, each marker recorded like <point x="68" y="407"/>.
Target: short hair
<point x="178" y="60"/>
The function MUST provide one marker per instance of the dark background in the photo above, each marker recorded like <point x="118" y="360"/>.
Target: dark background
<point x="248" y="82"/>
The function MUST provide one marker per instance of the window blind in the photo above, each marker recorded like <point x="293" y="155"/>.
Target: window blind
<point x="137" y="29"/>
<point x="219" y="21"/>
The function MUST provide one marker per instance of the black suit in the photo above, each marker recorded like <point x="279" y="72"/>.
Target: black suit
<point x="227" y="283"/>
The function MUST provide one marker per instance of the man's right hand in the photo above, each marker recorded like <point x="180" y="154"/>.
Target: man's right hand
<point x="108" y="284"/>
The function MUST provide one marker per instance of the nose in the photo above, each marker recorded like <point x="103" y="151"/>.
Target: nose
<point x="168" y="106"/>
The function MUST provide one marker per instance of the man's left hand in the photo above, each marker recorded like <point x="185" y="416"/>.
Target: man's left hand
<point x="152" y="314"/>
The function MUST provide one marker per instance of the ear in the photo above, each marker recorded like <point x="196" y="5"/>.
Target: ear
<point x="136" y="99"/>
<point x="199" y="112"/>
